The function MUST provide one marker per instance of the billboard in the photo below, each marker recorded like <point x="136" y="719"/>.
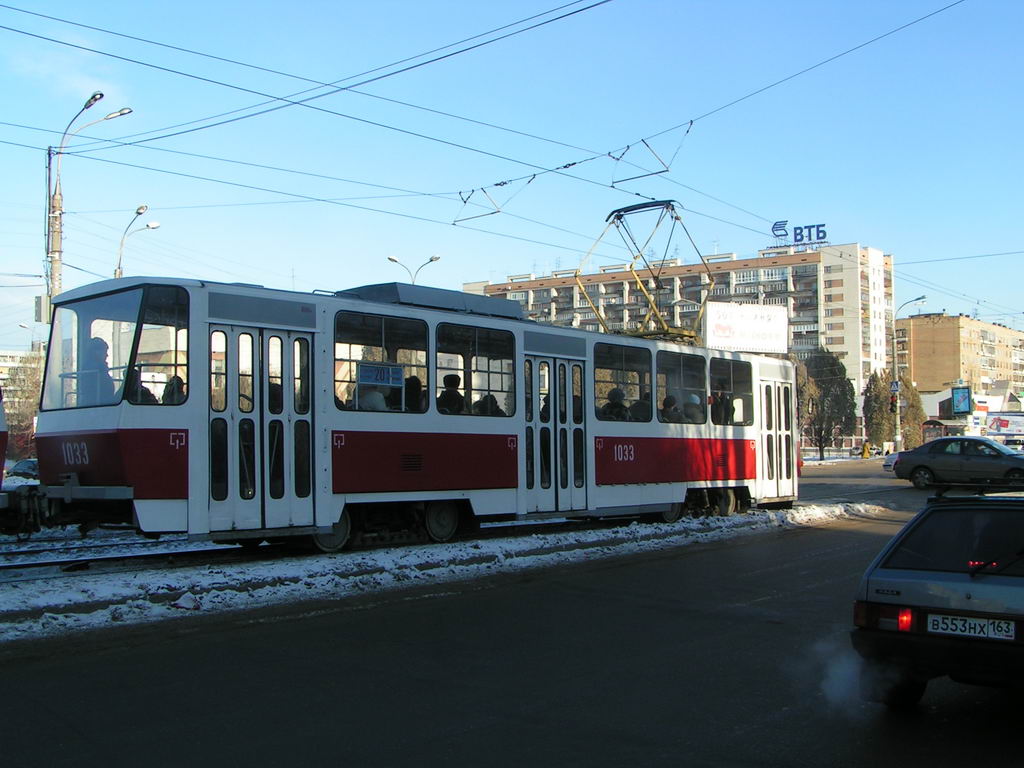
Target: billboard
<point x="747" y="327"/>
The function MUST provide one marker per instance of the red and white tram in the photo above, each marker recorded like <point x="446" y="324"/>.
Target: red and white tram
<point x="240" y="413"/>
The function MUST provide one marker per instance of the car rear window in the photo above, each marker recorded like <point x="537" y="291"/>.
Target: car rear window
<point x="961" y="540"/>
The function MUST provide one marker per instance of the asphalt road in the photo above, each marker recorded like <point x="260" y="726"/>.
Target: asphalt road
<point x="729" y="654"/>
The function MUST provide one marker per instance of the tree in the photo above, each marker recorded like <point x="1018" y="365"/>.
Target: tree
<point x="833" y="412"/>
<point x="913" y="416"/>
<point x="879" y="421"/>
<point x="21" y="402"/>
<point x="806" y="393"/>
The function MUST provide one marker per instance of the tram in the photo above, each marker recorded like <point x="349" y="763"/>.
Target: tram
<point x="239" y="413"/>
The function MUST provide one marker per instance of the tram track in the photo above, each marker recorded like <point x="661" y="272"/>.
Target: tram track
<point x="82" y="558"/>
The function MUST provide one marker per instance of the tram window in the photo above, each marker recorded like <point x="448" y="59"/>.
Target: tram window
<point x="768" y="410"/>
<point x="246" y="459"/>
<point x="139" y="336"/>
<point x="245" y="373"/>
<point x="544" y="390"/>
<point x="578" y="471"/>
<point x="732" y="393"/>
<point x="300" y="363"/>
<point x="475" y="371"/>
<point x="529" y="457"/>
<point x="563" y="458"/>
<point x="161" y="353"/>
<point x="769" y="452"/>
<point x="218" y="371"/>
<point x="622" y="383"/>
<point x="545" y="457"/>
<point x="528" y="388"/>
<point x="275" y="377"/>
<point x="577" y="394"/>
<point x="302" y="451"/>
<point x="789" y="457"/>
<point x="275" y="458"/>
<point x="682" y="388"/>
<point x="786" y="410"/>
<point x="218" y="459"/>
<point x="381" y="361"/>
<point x="562" y="394"/>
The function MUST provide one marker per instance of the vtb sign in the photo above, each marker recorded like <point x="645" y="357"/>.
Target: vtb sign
<point x="809" y="233"/>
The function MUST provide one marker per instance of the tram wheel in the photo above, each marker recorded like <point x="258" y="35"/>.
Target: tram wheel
<point x="441" y="519"/>
<point x="671" y="514"/>
<point x="727" y="502"/>
<point x="337" y="539"/>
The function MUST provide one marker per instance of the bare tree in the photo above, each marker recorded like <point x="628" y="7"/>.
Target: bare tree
<point x="21" y="401"/>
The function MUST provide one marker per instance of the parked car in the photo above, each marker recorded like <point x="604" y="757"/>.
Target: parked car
<point x="25" y="468"/>
<point x="1017" y="443"/>
<point x="960" y="460"/>
<point x="889" y="462"/>
<point x="944" y="597"/>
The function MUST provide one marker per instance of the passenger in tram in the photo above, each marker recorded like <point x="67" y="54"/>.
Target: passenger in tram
<point x="451" y="400"/>
<point x="414" y="395"/>
<point x="134" y="390"/>
<point x="641" y="409"/>
<point x="174" y="391"/>
<point x="615" y="409"/>
<point x="95" y="385"/>
<point x="488" y="406"/>
<point x="670" y="411"/>
<point x="721" y="408"/>
<point x="371" y="399"/>
<point x="693" y="410"/>
<point x="545" y="409"/>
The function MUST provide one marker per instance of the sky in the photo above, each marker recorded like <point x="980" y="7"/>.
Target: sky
<point x="498" y="137"/>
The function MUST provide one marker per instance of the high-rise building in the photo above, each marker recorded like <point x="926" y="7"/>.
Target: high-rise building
<point x="938" y="351"/>
<point x="838" y="297"/>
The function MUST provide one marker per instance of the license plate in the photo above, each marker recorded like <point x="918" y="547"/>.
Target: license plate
<point x="993" y="629"/>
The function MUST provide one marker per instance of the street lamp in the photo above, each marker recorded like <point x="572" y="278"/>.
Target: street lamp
<point x="412" y="275"/>
<point x="55" y="201"/>
<point x="898" y="440"/>
<point x="120" y="249"/>
<point x="127" y="234"/>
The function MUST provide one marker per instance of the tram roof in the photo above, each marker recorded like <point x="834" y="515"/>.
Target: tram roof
<point x="380" y="293"/>
<point x="435" y="298"/>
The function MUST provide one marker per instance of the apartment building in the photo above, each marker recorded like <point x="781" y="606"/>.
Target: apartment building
<point x="837" y="296"/>
<point x="938" y="351"/>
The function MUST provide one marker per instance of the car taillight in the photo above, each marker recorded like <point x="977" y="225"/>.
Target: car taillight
<point x="879" y="616"/>
<point x="905" y="620"/>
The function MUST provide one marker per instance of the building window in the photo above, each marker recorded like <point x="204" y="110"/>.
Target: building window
<point x="745" y="276"/>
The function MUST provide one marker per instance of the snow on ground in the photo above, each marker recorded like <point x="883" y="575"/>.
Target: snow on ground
<point x="46" y="607"/>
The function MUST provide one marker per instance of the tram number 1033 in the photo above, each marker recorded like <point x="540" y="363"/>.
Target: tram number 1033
<point x="75" y="453"/>
<point x="624" y="452"/>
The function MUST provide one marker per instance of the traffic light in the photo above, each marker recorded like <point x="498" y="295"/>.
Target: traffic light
<point x="894" y="403"/>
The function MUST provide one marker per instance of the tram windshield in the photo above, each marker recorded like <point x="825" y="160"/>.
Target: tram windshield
<point x="131" y="345"/>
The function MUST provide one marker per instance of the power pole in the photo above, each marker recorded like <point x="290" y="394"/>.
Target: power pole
<point x="54" y="234"/>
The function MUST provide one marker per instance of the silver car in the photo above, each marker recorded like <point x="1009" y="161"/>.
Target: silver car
<point x="960" y="460"/>
<point x="944" y="597"/>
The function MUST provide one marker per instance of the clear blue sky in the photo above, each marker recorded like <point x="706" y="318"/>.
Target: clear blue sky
<point x="910" y="144"/>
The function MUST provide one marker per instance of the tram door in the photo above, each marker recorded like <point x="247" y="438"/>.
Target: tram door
<point x="778" y="449"/>
<point x="261" y="448"/>
<point x="554" y="439"/>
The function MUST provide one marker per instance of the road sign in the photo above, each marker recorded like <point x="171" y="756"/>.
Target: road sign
<point x="894" y="386"/>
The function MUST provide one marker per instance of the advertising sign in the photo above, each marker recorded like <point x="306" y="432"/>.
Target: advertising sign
<point x="961" y="400"/>
<point x="747" y="327"/>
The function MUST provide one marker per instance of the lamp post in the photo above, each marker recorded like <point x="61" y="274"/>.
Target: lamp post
<point x="120" y="249"/>
<point x="898" y="440"/>
<point x="55" y="201"/>
<point x="412" y="275"/>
